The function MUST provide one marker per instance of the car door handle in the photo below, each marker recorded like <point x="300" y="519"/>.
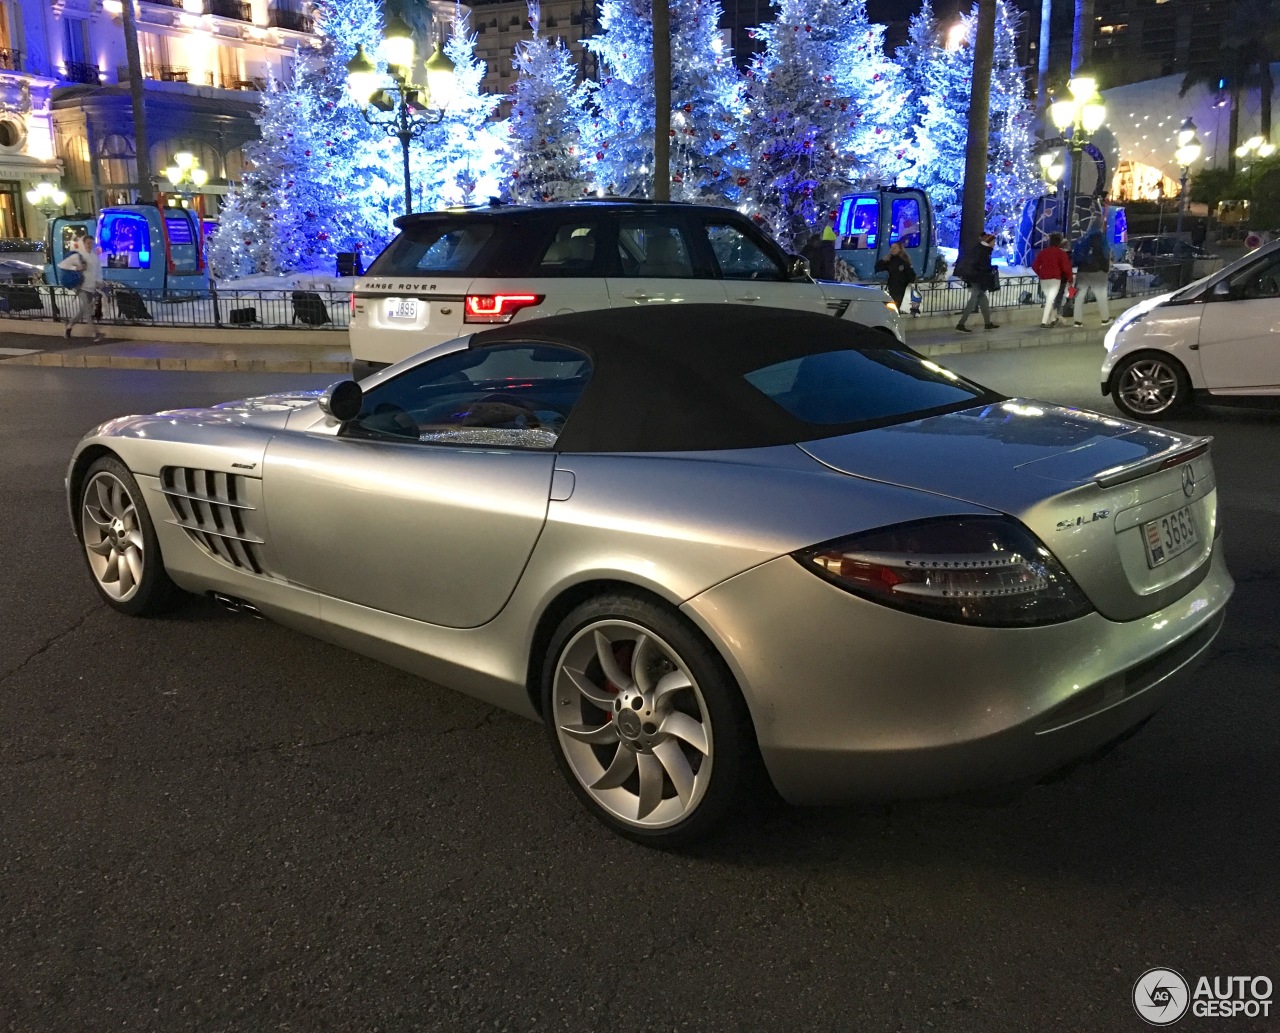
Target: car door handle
<point x="641" y="296"/>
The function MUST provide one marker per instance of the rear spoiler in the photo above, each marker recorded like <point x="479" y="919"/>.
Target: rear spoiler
<point x="1175" y="456"/>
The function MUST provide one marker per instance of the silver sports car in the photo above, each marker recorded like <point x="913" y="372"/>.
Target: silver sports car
<point x="695" y="539"/>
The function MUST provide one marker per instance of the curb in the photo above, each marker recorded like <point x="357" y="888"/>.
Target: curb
<point x="100" y="361"/>
<point x="1043" y="339"/>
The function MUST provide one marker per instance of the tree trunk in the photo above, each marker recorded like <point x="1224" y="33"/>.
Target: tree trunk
<point x="1233" y="132"/>
<point x="1042" y="72"/>
<point x="661" y="101"/>
<point x="1082" y="36"/>
<point x="973" y="211"/>
<point x="1268" y="87"/>
<point x="141" y="146"/>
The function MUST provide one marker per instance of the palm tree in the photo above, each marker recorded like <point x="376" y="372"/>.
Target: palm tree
<point x="1082" y="36"/>
<point x="1250" y="43"/>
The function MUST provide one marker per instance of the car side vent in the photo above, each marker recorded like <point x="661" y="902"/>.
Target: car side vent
<point x="218" y="512"/>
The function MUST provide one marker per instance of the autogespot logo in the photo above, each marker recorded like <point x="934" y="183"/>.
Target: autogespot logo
<point x="1161" y="996"/>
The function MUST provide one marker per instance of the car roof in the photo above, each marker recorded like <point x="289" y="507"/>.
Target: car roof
<point x="553" y="208"/>
<point x="671" y="378"/>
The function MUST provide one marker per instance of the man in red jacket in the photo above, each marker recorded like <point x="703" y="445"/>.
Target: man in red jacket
<point x="1053" y="266"/>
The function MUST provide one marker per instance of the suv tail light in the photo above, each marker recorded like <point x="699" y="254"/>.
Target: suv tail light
<point x="497" y="308"/>
<point x="989" y="571"/>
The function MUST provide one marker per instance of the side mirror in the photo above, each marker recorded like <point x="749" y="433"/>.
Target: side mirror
<point x="342" y="400"/>
<point x="1222" y="290"/>
<point x="797" y="267"/>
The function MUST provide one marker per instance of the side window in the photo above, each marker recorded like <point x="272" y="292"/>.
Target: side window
<point x="740" y="257"/>
<point x="1260" y="280"/>
<point x="904" y="223"/>
<point x="859" y="223"/>
<point x="509" y="396"/>
<point x="654" y="247"/>
<point x="571" y="251"/>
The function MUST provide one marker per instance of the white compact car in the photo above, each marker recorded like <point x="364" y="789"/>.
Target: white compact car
<point x="451" y="273"/>
<point x="1217" y="340"/>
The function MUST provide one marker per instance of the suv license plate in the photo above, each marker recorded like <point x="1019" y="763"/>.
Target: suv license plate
<point x="402" y="308"/>
<point x="1170" y="536"/>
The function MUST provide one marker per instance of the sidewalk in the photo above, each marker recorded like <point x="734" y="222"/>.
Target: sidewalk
<point x="1019" y="328"/>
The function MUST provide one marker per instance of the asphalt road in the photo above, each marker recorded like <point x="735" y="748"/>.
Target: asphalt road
<point x="210" y="823"/>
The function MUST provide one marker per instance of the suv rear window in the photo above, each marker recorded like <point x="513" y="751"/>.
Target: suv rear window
<point x="856" y="386"/>
<point x="440" y="249"/>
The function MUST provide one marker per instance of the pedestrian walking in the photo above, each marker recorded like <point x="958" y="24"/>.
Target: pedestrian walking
<point x="84" y="262"/>
<point x="1053" y="266"/>
<point x="902" y="274"/>
<point x="1093" y="266"/>
<point x="979" y="274"/>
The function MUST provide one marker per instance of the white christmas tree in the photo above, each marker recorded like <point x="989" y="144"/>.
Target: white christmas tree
<point x="821" y="121"/>
<point x="938" y="140"/>
<point x="1012" y="176"/>
<point x="544" y="149"/>
<point x="316" y="181"/>
<point x="618" y="123"/>
<point x="707" y="160"/>
<point x="457" y="160"/>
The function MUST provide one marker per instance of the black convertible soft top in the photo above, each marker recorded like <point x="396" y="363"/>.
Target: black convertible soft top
<point x="671" y="378"/>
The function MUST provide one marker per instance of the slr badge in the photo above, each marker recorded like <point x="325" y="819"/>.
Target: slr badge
<point x="1081" y="521"/>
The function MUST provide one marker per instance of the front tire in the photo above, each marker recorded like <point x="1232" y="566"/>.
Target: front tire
<point x="1150" y="386"/>
<point x="120" y="543"/>
<point x="645" y="720"/>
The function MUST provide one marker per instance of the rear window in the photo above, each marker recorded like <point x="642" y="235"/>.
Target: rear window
<point x="440" y="249"/>
<point x="862" y="385"/>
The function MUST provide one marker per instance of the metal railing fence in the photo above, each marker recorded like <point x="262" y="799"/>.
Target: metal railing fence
<point x="950" y="296"/>
<point x="224" y="308"/>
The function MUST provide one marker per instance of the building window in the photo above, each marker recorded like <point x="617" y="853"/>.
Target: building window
<point x="13" y="134"/>
<point x="10" y="210"/>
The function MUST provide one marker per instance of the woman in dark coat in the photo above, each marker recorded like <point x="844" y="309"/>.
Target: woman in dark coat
<point x="901" y="273"/>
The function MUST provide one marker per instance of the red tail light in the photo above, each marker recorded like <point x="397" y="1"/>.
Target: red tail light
<point x="497" y="308"/>
<point x="353" y="304"/>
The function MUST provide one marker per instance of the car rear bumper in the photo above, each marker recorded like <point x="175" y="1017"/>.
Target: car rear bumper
<point x="852" y="700"/>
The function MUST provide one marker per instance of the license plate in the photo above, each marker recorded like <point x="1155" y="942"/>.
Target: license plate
<point x="1170" y="536"/>
<point x="402" y="308"/>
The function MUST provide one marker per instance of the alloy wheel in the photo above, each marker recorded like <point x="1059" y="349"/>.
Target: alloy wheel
<point x="1149" y="387"/>
<point x="112" y="535"/>
<point x="632" y="724"/>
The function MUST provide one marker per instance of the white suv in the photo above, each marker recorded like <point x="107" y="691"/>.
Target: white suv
<point x="449" y="272"/>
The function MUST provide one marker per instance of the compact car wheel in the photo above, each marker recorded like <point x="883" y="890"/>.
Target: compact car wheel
<point x="1148" y="387"/>
<point x="645" y="720"/>
<point x="120" y="542"/>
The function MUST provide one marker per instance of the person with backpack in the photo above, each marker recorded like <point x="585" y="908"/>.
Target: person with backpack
<point x="82" y="270"/>
<point x="1093" y="264"/>
<point x="1053" y="266"/>
<point x="979" y="274"/>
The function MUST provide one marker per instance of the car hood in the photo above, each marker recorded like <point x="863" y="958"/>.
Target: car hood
<point x="1083" y="482"/>
<point x="836" y="289"/>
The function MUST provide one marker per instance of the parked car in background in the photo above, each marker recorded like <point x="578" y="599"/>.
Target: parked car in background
<point x="451" y="272"/>
<point x="1214" y="340"/>
<point x="691" y="540"/>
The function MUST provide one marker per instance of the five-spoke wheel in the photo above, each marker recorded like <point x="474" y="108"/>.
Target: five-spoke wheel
<point x="1148" y="387"/>
<point x="119" y="540"/>
<point x="646" y="722"/>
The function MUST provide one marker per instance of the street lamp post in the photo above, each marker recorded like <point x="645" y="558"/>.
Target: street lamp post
<point x="185" y="175"/>
<point x="1187" y="154"/>
<point x="409" y="106"/>
<point x="1076" y="119"/>
<point x="47" y="198"/>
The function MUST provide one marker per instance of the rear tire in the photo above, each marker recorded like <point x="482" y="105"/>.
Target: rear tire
<point x="645" y="720"/>
<point x="119" y="541"/>
<point x="1150" y="386"/>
